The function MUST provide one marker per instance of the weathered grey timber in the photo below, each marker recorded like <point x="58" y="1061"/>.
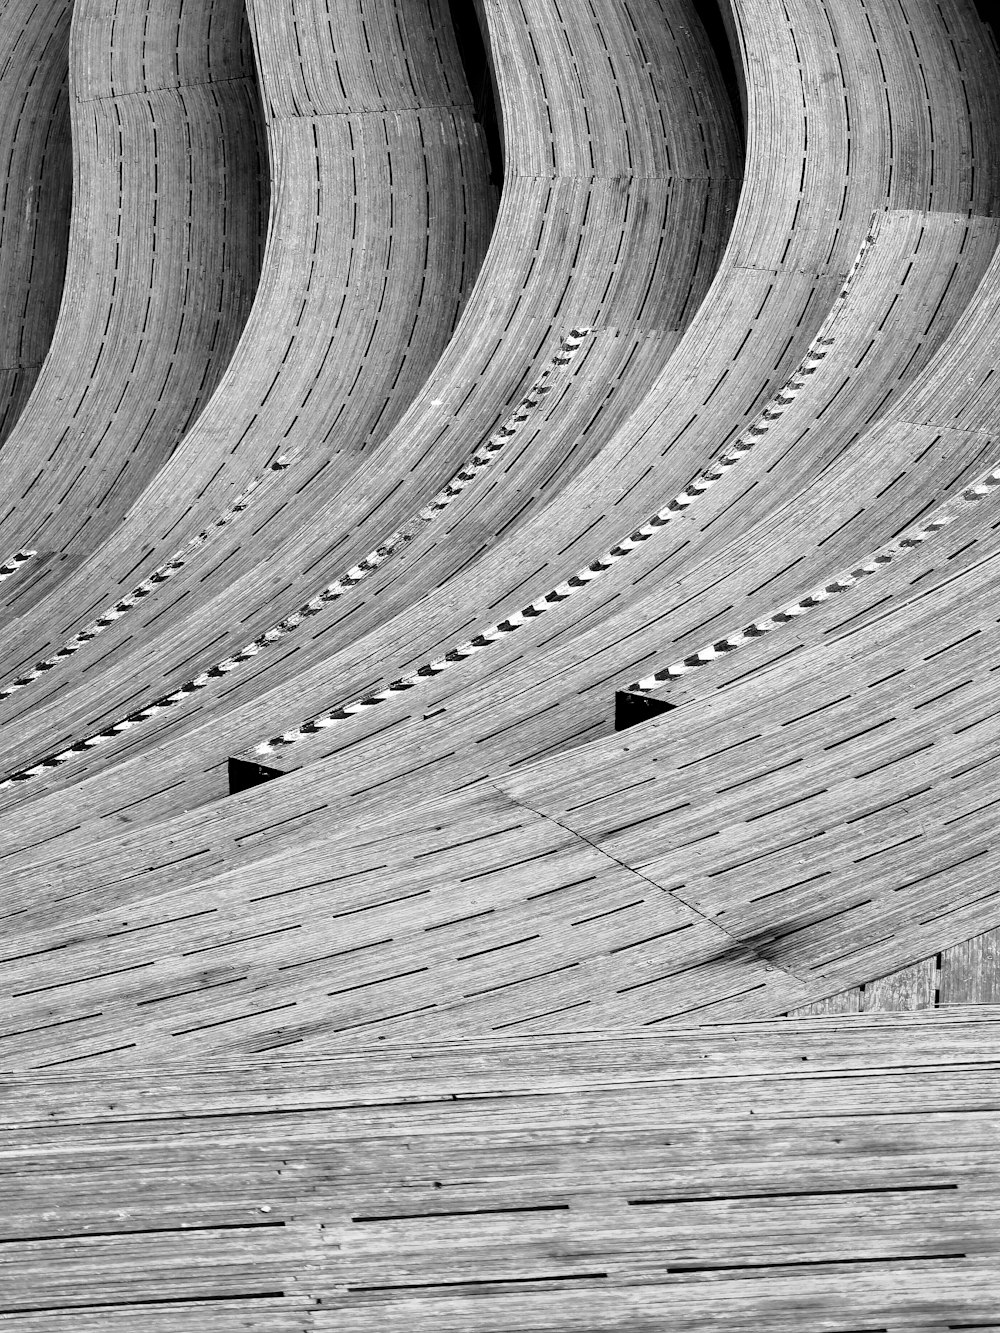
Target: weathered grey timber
<point x="966" y="973"/>
<point x="401" y="1038"/>
<point x="649" y="195"/>
<point x="170" y="186"/>
<point x="829" y="944"/>
<point x="34" y="203"/>
<point x="813" y="1176"/>
<point x="380" y="218"/>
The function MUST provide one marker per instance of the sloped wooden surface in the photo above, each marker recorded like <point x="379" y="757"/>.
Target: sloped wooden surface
<point x="619" y="235"/>
<point x="36" y="183"/>
<point x="167" y="138"/>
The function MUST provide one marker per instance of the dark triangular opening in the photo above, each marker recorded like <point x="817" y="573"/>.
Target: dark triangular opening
<point x="244" y="774"/>
<point x="632" y="708"/>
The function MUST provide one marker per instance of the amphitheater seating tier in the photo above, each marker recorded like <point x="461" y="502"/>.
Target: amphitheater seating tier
<point x="164" y="146"/>
<point x="659" y="225"/>
<point x="347" y="473"/>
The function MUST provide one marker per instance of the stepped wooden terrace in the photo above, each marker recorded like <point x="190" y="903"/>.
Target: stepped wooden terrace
<point x="498" y="719"/>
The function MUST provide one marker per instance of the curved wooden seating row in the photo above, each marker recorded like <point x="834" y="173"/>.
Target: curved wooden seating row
<point x="806" y="831"/>
<point x="722" y="973"/>
<point x="381" y="217"/>
<point x="796" y="445"/>
<point x="865" y="192"/>
<point x="169" y="186"/>
<point x="943" y="544"/>
<point x="757" y="785"/>
<point x="651" y="208"/>
<point x="931" y="460"/>
<point x="553" y="680"/>
<point x="421" y="632"/>
<point x="806" y="1176"/>
<point x="885" y="850"/>
<point x="34" y="206"/>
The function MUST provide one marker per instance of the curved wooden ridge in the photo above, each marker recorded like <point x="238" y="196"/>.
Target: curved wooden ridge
<point x="635" y="277"/>
<point x="168" y="188"/>
<point x="354" y="507"/>
<point x="34" y="210"/>
<point x="379" y="218"/>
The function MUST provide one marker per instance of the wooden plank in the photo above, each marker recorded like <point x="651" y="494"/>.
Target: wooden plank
<point x="970" y="971"/>
<point x="910" y="988"/>
<point x="527" y="1176"/>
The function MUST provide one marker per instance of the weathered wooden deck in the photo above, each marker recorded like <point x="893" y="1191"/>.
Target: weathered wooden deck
<point x="389" y="493"/>
<point x="811" y="1175"/>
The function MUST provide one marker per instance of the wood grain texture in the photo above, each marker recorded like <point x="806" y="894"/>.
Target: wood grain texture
<point x="170" y="192"/>
<point x="403" y="1037"/>
<point x="378" y="224"/>
<point x="609" y="1182"/>
<point x="36" y="183"/>
<point x="616" y="230"/>
<point x="618" y="609"/>
<point x="966" y="973"/>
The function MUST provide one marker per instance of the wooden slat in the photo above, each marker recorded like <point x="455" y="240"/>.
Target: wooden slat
<point x="525" y="1176"/>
